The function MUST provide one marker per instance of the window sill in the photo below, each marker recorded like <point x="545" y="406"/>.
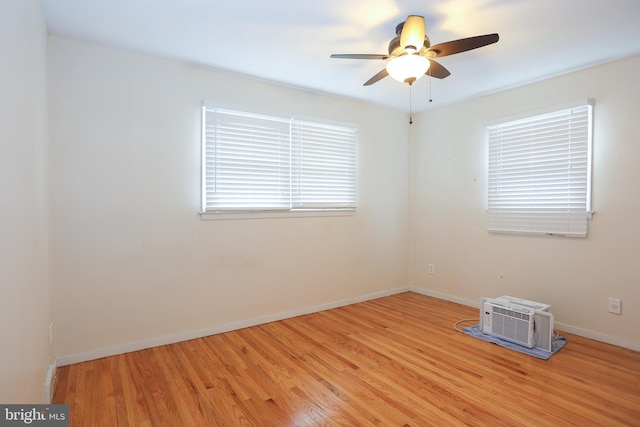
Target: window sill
<point x="213" y="216"/>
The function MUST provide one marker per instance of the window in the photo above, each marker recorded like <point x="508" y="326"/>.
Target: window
<point x="540" y="173"/>
<point x="260" y="165"/>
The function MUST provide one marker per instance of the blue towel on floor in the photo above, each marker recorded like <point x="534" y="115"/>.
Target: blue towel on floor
<point x="475" y="331"/>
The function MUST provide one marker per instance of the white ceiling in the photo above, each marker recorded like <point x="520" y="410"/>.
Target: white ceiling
<point x="289" y="41"/>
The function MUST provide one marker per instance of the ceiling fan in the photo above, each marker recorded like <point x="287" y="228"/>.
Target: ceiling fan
<point x="410" y="52"/>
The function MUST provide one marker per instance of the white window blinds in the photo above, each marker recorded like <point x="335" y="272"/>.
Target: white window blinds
<point x="323" y="166"/>
<point x="540" y="173"/>
<point x="256" y="163"/>
<point x="246" y="162"/>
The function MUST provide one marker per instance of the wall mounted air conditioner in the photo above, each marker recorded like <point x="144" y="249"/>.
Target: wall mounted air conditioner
<point x="523" y="322"/>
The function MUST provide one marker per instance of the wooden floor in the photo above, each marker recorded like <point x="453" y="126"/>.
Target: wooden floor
<point x="394" y="361"/>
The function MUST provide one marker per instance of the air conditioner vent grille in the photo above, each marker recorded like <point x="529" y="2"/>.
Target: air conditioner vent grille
<point x="511" y="313"/>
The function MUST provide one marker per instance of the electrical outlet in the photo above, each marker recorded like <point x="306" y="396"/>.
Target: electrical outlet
<point x="431" y="269"/>
<point x="615" y="306"/>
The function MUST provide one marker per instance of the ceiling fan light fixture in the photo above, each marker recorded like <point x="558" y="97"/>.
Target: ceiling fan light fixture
<point x="408" y="68"/>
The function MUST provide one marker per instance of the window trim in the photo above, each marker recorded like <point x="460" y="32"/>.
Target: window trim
<point x="589" y="103"/>
<point x="256" y="213"/>
<point x="297" y="213"/>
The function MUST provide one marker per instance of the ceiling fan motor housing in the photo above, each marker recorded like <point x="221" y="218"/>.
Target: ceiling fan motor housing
<point x="396" y="50"/>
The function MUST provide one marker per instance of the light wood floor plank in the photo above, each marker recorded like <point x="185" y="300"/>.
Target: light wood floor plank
<point x="394" y="361"/>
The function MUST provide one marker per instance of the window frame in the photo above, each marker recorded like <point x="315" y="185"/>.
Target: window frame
<point x="292" y="210"/>
<point x="537" y="204"/>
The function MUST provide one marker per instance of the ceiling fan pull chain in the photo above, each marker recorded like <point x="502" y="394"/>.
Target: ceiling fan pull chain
<point x="410" y="106"/>
<point x="430" y="81"/>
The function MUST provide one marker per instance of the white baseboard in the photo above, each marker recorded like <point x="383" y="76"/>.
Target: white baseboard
<point x="598" y="336"/>
<point x="50" y="382"/>
<point x="189" y="335"/>
<point x="446" y="297"/>
<point x="586" y="333"/>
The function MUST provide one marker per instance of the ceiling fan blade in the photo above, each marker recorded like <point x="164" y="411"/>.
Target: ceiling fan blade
<point x="381" y="75"/>
<point x="359" y="56"/>
<point x="461" y="45"/>
<point x="413" y="32"/>
<point x="436" y="70"/>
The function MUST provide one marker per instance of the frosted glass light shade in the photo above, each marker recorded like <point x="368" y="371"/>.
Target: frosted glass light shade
<point x="408" y="68"/>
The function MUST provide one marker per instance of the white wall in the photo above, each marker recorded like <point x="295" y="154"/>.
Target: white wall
<point x="133" y="262"/>
<point x="576" y="276"/>
<point x="25" y="298"/>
